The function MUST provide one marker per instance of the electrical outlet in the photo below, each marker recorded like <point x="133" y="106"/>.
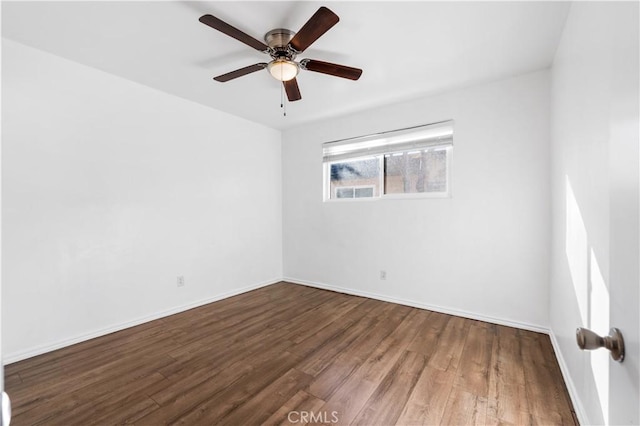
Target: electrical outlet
<point x="180" y="281"/>
<point x="383" y="275"/>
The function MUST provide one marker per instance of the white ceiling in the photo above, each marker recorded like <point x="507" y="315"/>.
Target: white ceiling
<point x="406" y="49"/>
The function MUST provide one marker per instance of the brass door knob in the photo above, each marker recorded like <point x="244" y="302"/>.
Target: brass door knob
<point x="588" y="340"/>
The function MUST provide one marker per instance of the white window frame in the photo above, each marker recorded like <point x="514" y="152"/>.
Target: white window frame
<point x="405" y="137"/>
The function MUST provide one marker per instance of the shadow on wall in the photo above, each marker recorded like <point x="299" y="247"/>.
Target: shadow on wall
<point x="591" y="291"/>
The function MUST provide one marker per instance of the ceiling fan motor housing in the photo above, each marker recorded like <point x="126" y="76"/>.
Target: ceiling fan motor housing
<point x="279" y="37"/>
<point x="278" y="42"/>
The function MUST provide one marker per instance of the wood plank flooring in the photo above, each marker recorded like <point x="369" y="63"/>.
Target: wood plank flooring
<point x="289" y="354"/>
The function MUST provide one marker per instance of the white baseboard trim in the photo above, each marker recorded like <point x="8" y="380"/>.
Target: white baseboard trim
<point x="573" y="393"/>
<point x="441" y="309"/>
<point x="39" y="350"/>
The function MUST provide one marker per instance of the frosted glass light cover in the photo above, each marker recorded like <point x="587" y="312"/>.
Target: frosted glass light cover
<point x="283" y="70"/>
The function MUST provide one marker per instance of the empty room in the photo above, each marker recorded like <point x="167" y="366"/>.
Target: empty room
<point x="301" y="212"/>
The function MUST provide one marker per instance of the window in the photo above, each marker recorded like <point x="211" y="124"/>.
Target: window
<point x="412" y="162"/>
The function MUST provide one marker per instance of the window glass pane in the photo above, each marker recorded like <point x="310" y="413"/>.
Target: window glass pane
<point x="415" y="172"/>
<point x="364" y="192"/>
<point x="355" y="178"/>
<point x="344" y="192"/>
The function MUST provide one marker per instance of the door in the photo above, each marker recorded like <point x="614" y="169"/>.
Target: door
<point x="596" y="192"/>
<point x="624" y="217"/>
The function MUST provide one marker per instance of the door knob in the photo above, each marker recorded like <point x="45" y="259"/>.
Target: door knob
<point x="589" y="340"/>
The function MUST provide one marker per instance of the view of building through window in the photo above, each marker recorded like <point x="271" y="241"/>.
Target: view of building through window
<point x="358" y="178"/>
<point x="413" y="172"/>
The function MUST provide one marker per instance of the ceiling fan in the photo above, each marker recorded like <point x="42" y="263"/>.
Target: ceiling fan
<point x="283" y="46"/>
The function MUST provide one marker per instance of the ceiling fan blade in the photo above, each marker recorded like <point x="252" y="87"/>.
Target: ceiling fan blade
<point x="227" y="29"/>
<point x="292" y="89"/>
<point x="331" y="69"/>
<point x="318" y="24"/>
<point x="240" y="72"/>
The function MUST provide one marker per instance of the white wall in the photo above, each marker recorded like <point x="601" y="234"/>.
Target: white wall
<point x="483" y="252"/>
<point x="111" y="190"/>
<point x="594" y="259"/>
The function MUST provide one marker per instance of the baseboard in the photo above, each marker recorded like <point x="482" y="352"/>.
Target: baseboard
<point x="571" y="388"/>
<point x="39" y="350"/>
<point x="441" y="309"/>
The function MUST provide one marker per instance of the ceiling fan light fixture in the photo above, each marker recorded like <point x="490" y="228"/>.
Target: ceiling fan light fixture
<point x="283" y="69"/>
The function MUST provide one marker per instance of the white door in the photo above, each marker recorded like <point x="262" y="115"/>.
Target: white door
<point x="624" y="217"/>
<point x="596" y="187"/>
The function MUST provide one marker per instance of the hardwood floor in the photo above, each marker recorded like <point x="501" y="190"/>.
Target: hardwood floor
<point x="295" y="355"/>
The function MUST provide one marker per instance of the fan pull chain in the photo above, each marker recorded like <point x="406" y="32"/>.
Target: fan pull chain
<point x="283" y="104"/>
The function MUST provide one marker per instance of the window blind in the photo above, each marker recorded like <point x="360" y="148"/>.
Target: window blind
<point x="412" y="138"/>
